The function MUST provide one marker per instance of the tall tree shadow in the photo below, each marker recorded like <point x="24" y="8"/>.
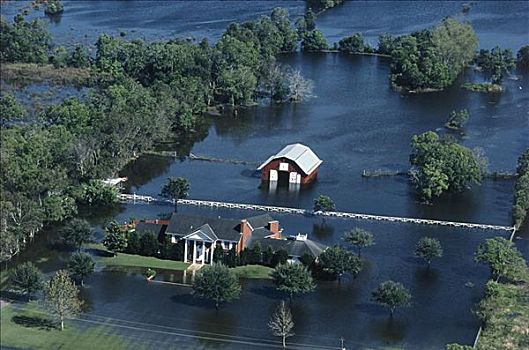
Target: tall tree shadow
<point x="34" y="322"/>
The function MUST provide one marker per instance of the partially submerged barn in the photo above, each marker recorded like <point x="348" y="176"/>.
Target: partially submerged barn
<point x="295" y="164"/>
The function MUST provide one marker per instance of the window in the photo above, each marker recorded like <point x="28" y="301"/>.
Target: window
<point x="283" y="166"/>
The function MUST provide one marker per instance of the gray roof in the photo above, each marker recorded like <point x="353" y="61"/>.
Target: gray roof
<point x="225" y="229"/>
<point x="144" y="227"/>
<point x="206" y="231"/>
<point x="260" y="221"/>
<point x="293" y="247"/>
<point x="300" y="154"/>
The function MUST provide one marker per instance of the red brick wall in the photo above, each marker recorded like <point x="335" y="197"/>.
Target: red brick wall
<point x="274" y="165"/>
<point x="246" y="232"/>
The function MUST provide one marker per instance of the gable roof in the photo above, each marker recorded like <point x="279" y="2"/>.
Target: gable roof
<point x="260" y="221"/>
<point x="204" y="233"/>
<point x="225" y="229"/>
<point x="294" y="248"/>
<point x="144" y="227"/>
<point x="300" y="154"/>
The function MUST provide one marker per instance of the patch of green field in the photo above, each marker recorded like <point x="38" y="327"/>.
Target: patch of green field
<point x="253" y="271"/>
<point x="122" y="259"/>
<point x="26" y="327"/>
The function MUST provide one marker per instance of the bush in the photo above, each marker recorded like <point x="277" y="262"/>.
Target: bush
<point x="149" y="273"/>
<point x="352" y="44"/>
<point x="279" y="257"/>
<point x="149" y="244"/>
<point x="97" y="193"/>
<point x="314" y="41"/>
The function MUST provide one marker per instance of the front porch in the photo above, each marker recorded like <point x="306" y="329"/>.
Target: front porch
<point x="198" y="251"/>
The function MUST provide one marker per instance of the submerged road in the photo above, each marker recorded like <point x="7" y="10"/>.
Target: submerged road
<point x="214" y="204"/>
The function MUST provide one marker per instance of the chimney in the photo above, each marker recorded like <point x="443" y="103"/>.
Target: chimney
<point x="246" y="232"/>
<point x="273" y="226"/>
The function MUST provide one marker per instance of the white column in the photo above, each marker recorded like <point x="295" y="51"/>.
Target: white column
<point x="203" y="255"/>
<point x="185" y="250"/>
<point x="212" y="250"/>
<point x="194" y="251"/>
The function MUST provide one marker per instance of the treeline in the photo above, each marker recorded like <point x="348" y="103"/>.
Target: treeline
<point x="145" y="93"/>
<point x="520" y="205"/>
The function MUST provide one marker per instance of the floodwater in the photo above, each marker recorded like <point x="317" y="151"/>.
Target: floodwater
<point x="354" y="122"/>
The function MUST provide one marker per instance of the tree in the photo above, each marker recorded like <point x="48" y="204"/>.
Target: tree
<point x="520" y="206"/>
<point x="232" y="258"/>
<point x="255" y="254"/>
<point x="503" y="259"/>
<point x="386" y="44"/>
<point x="310" y="20"/>
<point x="23" y="41"/>
<point x="428" y="248"/>
<point x="314" y="41"/>
<point x="133" y="243"/>
<point x="456" y="120"/>
<point x="432" y="58"/>
<point x="268" y="255"/>
<point x="217" y="283"/>
<point x="352" y="44"/>
<point x="299" y="88"/>
<point x="359" y="238"/>
<point x="10" y="108"/>
<point x="391" y="294"/>
<point x="443" y="165"/>
<point x="281" y="323"/>
<point x="26" y="278"/>
<point x="293" y="279"/>
<point x="279" y="257"/>
<point x="80" y="266"/>
<point x="496" y="62"/>
<point x="116" y="238"/>
<point x="324" y="203"/>
<point x="238" y="85"/>
<point x="149" y="244"/>
<point x="523" y="57"/>
<point x="338" y="261"/>
<point x="61" y="297"/>
<point x="77" y="232"/>
<point x="175" y="188"/>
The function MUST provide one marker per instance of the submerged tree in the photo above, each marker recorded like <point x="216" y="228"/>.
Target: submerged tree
<point x="281" y="323"/>
<point x="293" y="279"/>
<point x="324" y="203"/>
<point x="443" y="165"/>
<point x="456" y="120"/>
<point x="359" y="238"/>
<point x="80" y="266"/>
<point x="496" y="62"/>
<point x="503" y="259"/>
<point x="338" y="261"/>
<point x="428" y="248"/>
<point x="27" y="278"/>
<point x="61" y="297"/>
<point x="217" y="283"/>
<point x="299" y="88"/>
<point x="175" y="188"/>
<point x="392" y="294"/>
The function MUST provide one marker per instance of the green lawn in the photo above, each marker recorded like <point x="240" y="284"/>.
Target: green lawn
<point x="28" y="328"/>
<point x="123" y="259"/>
<point x="253" y="271"/>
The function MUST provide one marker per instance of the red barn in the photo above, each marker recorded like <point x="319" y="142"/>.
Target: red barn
<point x="295" y="164"/>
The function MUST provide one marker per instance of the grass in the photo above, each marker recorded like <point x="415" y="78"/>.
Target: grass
<point x="253" y="271"/>
<point x="122" y="259"/>
<point x="29" y="328"/>
<point x="505" y="312"/>
<point x="482" y="87"/>
<point x="31" y="73"/>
